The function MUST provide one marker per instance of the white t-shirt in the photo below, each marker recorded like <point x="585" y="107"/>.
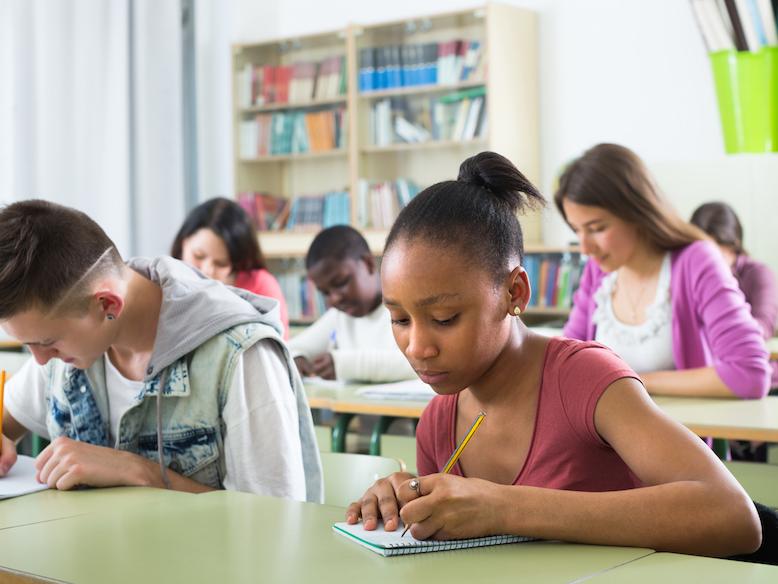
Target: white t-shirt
<point x="647" y="346"/>
<point x="363" y="349"/>
<point x="262" y="440"/>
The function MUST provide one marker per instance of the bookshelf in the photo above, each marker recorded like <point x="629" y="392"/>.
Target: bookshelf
<point x="446" y="75"/>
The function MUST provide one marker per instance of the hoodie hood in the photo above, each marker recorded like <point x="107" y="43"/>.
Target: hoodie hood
<point x="196" y="308"/>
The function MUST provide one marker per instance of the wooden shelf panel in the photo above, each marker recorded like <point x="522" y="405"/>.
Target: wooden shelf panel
<point x="295" y="244"/>
<point x="272" y="107"/>
<point x="335" y="153"/>
<point x="430" y="145"/>
<point x="420" y="89"/>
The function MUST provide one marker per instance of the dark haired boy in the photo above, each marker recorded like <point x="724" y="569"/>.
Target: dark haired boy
<point x="141" y="362"/>
<point x="353" y="340"/>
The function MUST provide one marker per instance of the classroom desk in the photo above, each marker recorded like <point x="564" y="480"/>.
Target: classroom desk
<point x="236" y="538"/>
<point x="732" y="419"/>
<point x="662" y="567"/>
<point x="52" y="504"/>
<point x="772" y="346"/>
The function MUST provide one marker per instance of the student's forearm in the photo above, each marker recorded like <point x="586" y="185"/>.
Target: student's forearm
<point x="11" y="428"/>
<point x="684" y="517"/>
<point x="146" y="473"/>
<point x="702" y="382"/>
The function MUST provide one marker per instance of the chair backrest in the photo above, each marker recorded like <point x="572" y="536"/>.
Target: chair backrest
<point x="759" y="480"/>
<point x="347" y="476"/>
<point x="324" y="438"/>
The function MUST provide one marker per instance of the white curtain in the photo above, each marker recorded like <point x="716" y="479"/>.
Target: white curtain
<point x="69" y="122"/>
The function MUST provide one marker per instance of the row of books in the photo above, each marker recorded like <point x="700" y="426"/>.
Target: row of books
<point x="303" y="300"/>
<point x="745" y="25"/>
<point x="267" y="211"/>
<point x="299" y="213"/>
<point x="299" y="82"/>
<point x="379" y="202"/>
<point x="456" y="116"/>
<point x="554" y="278"/>
<point x="296" y="132"/>
<point x="420" y="64"/>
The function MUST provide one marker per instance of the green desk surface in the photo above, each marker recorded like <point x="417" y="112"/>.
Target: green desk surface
<point x="734" y="419"/>
<point x="52" y="504"/>
<point x="661" y="567"/>
<point x="345" y="399"/>
<point x="236" y="538"/>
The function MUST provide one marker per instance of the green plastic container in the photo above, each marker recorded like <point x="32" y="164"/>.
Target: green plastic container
<point x="747" y="90"/>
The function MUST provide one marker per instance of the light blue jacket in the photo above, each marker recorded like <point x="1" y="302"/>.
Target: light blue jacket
<point x="204" y="328"/>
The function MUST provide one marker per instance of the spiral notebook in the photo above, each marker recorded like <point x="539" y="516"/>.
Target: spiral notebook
<point x="392" y="543"/>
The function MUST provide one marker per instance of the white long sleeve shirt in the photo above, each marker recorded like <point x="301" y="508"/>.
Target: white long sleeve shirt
<point x="363" y="349"/>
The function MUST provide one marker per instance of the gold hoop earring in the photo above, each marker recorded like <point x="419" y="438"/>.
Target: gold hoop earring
<point x="516" y="310"/>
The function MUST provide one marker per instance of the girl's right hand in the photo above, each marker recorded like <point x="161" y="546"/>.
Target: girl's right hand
<point x="383" y="501"/>
<point x="7" y="456"/>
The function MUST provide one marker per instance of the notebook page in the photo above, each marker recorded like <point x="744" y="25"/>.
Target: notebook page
<point x="393" y="543"/>
<point x="20" y="480"/>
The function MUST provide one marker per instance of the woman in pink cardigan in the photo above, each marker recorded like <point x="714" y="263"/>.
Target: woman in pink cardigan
<point x="655" y="289"/>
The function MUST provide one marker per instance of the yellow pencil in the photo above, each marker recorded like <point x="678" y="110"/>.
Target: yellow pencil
<point x="452" y="460"/>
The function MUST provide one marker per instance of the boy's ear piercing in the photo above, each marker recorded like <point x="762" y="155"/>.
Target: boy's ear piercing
<point x="110" y="316"/>
<point x="516" y="310"/>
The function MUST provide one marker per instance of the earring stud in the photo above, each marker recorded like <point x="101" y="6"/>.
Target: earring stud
<point x="110" y="316"/>
<point x="516" y="310"/>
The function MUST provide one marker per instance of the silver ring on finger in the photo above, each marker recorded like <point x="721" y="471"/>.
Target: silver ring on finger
<point x="415" y="486"/>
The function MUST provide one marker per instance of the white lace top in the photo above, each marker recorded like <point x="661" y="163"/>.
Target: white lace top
<point x="647" y="346"/>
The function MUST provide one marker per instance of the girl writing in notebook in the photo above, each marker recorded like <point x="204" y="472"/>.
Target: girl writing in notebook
<point x="655" y="289"/>
<point x="569" y="447"/>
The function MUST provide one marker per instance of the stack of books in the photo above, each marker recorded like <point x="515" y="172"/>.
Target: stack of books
<point x="379" y="202"/>
<point x="460" y="115"/>
<point x="300" y="82"/>
<point x="395" y="66"/>
<point x="314" y="212"/>
<point x="267" y="212"/>
<point x="554" y="279"/>
<point x="296" y="132"/>
<point x="303" y="300"/>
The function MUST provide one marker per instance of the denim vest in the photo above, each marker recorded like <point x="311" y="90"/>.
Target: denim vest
<point x="192" y="403"/>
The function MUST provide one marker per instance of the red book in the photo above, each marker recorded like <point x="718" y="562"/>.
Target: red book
<point x="283" y="78"/>
<point x="268" y="84"/>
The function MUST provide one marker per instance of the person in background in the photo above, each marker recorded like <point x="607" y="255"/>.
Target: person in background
<point x="219" y="239"/>
<point x="655" y="289"/>
<point x="755" y="279"/>
<point x="757" y="282"/>
<point x="353" y="339"/>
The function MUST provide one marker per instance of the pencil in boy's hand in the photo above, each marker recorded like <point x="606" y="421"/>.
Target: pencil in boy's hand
<point x="452" y="460"/>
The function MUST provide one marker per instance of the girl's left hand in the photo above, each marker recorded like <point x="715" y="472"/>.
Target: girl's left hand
<point x="453" y="507"/>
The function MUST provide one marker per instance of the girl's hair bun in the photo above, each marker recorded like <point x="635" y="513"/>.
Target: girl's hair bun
<point x="497" y="175"/>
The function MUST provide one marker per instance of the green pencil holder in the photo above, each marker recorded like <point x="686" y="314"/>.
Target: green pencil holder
<point x="747" y="91"/>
